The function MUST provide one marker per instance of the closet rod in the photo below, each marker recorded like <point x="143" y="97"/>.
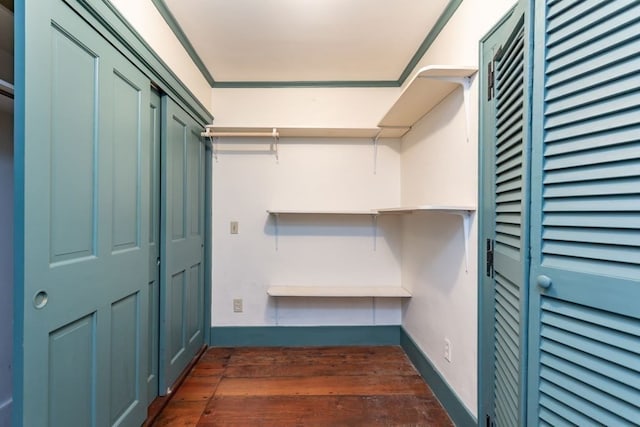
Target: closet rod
<point x="214" y="134"/>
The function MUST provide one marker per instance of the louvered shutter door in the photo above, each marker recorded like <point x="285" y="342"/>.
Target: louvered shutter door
<point x="585" y="327"/>
<point x="507" y="164"/>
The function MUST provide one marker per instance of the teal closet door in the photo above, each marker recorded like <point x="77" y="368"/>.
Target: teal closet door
<point x="585" y="274"/>
<point x="505" y="222"/>
<point x="182" y="268"/>
<point x="82" y="231"/>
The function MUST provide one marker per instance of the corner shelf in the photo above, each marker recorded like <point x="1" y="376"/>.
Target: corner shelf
<point x="427" y="89"/>
<point x="339" y="291"/>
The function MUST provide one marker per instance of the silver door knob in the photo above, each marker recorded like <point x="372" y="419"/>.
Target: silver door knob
<point x="40" y="299"/>
<point x="544" y="281"/>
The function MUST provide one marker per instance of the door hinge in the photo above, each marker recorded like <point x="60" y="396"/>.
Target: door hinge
<point x="491" y="80"/>
<point x="489" y="257"/>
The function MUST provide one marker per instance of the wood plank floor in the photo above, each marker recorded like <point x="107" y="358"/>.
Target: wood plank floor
<point x="319" y="386"/>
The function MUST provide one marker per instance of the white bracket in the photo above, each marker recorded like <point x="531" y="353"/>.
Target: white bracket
<point x="466" y="225"/>
<point x="274" y="144"/>
<point x="214" y="147"/>
<point x="276" y="217"/>
<point x="374" y="220"/>
<point x="375" y="152"/>
<point x="465" y="82"/>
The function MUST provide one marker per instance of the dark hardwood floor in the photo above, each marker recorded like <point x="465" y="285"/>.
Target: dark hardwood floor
<point x="319" y="386"/>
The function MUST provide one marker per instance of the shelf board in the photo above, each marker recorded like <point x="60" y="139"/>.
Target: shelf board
<point x="310" y="132"/>
<point x="458" y="210"/>
<point x="320" y="212"/>
<point x="339" y="291"/>
<point x="427" y="89"/>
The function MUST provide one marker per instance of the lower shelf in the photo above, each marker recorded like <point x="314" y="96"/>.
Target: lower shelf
<point x="339" y="291"/>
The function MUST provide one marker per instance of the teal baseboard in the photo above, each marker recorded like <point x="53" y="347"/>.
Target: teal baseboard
<point x="299" y="336"/>
<point x="458" y="412"/>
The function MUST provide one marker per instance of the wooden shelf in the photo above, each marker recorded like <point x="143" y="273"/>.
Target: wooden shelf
<point x="427" y="89"/>
<point x="339" y="291"/>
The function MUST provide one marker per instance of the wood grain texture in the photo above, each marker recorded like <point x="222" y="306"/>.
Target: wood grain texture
<point x="320" y="386"/>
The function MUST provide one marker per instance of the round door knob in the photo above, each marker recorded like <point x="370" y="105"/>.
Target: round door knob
<point x="544" y="281"/>
<point x="40" y="299"/>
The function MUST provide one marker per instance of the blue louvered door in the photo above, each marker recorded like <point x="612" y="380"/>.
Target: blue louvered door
<point x="585" y="270"/>
<point x="505" y="223"/>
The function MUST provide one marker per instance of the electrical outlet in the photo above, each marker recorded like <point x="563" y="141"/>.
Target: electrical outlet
<point x="234" y="227"/>
<point x="237" y="305"/>
<point x="447" y="350"/>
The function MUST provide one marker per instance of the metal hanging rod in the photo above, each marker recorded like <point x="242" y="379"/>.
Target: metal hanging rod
<point x="215" y="134"/>
<point x="214" y="137"/>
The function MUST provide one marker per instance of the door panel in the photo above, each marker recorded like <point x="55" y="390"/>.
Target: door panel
<point x="585" y="280"/>
<point x="126" y="197"/>
<point x="125" y="330"/>
<point x="72" y="358"/>
<point x="73" y="190"/>
<point x="83" y="169"/>
<point x="182" y="311"/>
<point x="505" y="180"/>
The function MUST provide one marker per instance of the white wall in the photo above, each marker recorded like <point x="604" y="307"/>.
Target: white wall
<point x="147" y="21"/>
<point x="302" y="107"/>
<point x="6" y="260"/>
<point x="440" y="167"/>
<point x="312" y="250"/>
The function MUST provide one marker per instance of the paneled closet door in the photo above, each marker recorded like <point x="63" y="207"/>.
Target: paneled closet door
<point x="504" y="236"/>
<point x="182" y="293"/>
<point x="82" y="251"/>
<point x="585" y="274"/>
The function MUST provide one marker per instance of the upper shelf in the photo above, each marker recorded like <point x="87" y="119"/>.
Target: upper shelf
<point x="427" y="89"/>
<point x="430" y="86"/>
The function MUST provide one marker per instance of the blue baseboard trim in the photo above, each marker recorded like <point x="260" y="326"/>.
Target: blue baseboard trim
<point x="303" y="336"/>
<point x="458" y="412"/>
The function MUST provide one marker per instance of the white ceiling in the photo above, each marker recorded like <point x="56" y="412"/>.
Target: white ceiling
<point x="306" y="40"/>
